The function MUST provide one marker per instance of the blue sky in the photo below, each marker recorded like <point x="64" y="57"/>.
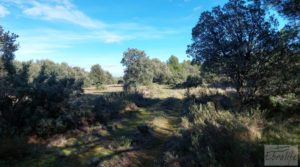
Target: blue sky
<point x="87" y="32"/>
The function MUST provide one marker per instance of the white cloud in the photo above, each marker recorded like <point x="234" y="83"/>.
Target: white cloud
<point x="66" y="11"/>
<point x="61" y="10"/>
<point x="45" y="41"/>
<point x="3" y="11"/>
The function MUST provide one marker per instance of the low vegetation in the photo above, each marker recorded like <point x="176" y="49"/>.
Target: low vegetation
<point x="239" y="92"/>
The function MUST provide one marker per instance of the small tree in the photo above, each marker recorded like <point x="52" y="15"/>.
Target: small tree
<point x="138" y="69"/>
<point x="97" y="75"/>
<point x="173" y="63"/>
<point x="109" y="79"/>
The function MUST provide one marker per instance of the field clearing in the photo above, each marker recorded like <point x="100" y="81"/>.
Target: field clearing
<point x="106" y="89"/>
<point x="120" y="143"/>
<point x="158" y="91"/>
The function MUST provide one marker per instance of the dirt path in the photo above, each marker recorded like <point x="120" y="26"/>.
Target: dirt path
<point x="121" y="143"/>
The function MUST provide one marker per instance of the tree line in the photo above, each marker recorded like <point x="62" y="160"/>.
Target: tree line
<point x="97" y="76"/>
<point x="141" y="70"/>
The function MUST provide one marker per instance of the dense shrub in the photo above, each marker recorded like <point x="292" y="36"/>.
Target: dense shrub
<point x="287" y="105"/>
<point x="215" y="100"/>
<point x="223" y="139"/>
<point x="33" y="105"/>
<point x="109" y="106"/>
<point x="193" y="81"/>
<point x="219" y="139"/>
<point x="181" y="71"/>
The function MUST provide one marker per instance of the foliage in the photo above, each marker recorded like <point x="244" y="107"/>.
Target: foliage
<point x="60" y="70"/>
<point x="38" y="106"/>
<point x="289" y="8"/>
<point x="237" y="41"/>
<point x="97" y="76"/>
<point x="181" y="71"/>
<point x="109" y="79"/>
<point x="138" y="69"/>
<point x="109" y="106"/>
<point x="193" y="81"/>
<point x="221" y="138"/>
<point x="282" y="72"/>
<point x="162" y="73"/>
<point x="50" y="103"/>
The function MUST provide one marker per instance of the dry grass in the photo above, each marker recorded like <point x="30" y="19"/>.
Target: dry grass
<point x="107" y="89"/>
<point x="210" y="91"/>
<point x="162" y="126"/>
<point x="162" y="91"/>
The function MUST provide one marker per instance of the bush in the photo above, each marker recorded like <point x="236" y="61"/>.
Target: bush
<point x="212" y="98"/>
<point x="219" y="139"/>
<point x="109" y="106"/>
<point x="287" y="105"/>
<point x="193" y="81"/>
<point x="41" y="106"/>
<point x="224" y="140"/>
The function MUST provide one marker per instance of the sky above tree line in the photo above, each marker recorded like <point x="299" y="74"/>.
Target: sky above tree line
<point x="83" y="33"/>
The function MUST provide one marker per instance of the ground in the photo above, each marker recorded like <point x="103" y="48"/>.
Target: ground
<point x="139" y="136"/>
<point x="121" y="144"/>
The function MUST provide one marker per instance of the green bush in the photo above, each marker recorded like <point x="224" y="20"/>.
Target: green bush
<point x="219" y="139"/>
<point x="109" y="106"/>
<point x="41" y="106"/>
<point x="286" y="105"/>
<point x="223" y="141"/>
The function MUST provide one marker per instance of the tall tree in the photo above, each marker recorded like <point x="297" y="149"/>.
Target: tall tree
<point x="97" y="75"/>
<point x="238" y="41"/>
<point x="173" y="62"/>
<point x="8" y="47"/>
<point x="138" y="69"/>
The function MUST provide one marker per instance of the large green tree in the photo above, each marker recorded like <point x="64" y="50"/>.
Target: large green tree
<point x="97" y="75"/>
<point x="8" y="46"/>
<point x="138" y="69"/>
<point x="239" y="41"/>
